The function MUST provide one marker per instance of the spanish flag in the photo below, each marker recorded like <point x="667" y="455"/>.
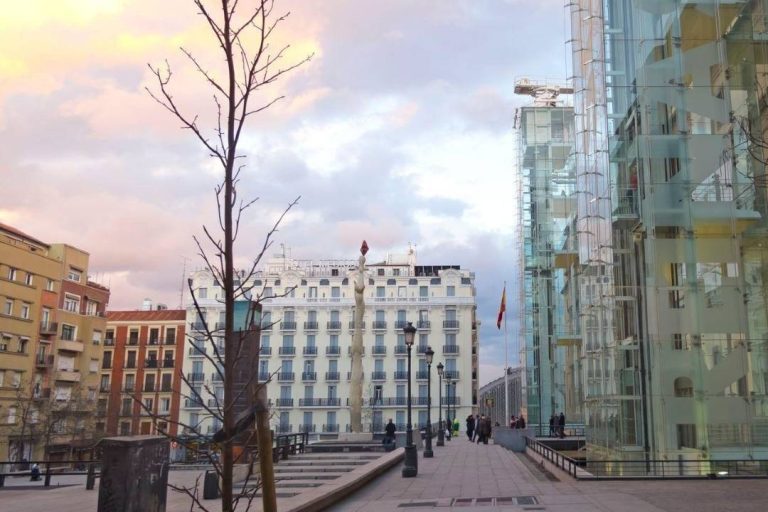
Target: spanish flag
<point x="502" y="307"/>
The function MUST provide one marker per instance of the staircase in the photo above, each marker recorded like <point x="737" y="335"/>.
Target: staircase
<point x="310" y="470"/>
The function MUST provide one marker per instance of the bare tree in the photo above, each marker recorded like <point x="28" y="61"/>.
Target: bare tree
<point x="243" y="32"/>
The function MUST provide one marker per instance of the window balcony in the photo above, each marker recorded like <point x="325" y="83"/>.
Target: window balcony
<point x="45" y="361"/>
<point x="193" y="403"/>
<point x="265" y="351"/>
<point x="68" y="375"/>
<point x="331" y="428"/>
<point x="283" y="429"/>
<point x="306" y="428"/>
<point x="196" y="377"/>
<point x="149" y="388"/>
<point x="352" y="326"/>
<point x="264" y="376"/>
<point x="422" y="375"/>
<point x="308" y="376"/>
<point x="450" y="324"/>
<point x="197" y="326"/>
<point x="286" y="377"/>
<point x="126" y="411"/>
<point x="379" y="325"/>
<point x="196" y="351"/>
<point x="288" y="326"/>
<point x="319" y="402"/>
<point x="451" y="374"/>
<point x="379" y="350"/>
<point x="349" y="351"/>
<point x="104" y="388"/>
<point x="349" y="375"/>
<point x="128" y="388"/>
<point x="450" y="349"/>
<point x="332" y="376"/>
<point x="421" y="349"/>
<point x="333" y="351"/>
<point x="401" y="375"/>
<point x="423" y="325"/>
<point x="400" y="324"/>
<point x="168" y="363"/>
<point x="310" y="351"/>
<point x="310" y="326"/>
<point x="109" y="342"/>
<point x="287" y="351"/>
<point x="401" y="349"/>
<point x="378" y="375"/>
<point x="150" y="363"/>
<point x="70" y="345"/>
<point x="216" y="377"/>
<point x="131" y="365"/>
<point x="452" y="400"/>
<point x="284" y="402"/>
<point x="334" y="325"/>
<point x="133" y="341"/>
<point x="49" y="327"/>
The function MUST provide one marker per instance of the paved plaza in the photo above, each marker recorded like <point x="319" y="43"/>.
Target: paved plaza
<point x="465" y="470"/>
<point x="459" y="474"/>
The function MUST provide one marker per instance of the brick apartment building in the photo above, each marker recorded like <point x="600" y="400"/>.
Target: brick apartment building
<point x="143" y="355"/>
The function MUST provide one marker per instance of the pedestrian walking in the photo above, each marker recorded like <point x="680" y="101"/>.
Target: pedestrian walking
<point x="513" y="422"/>
<point x="487" y="430"/>
<point x="561" y="424"/>
<point x="456" y="426"/>
<point x="480" y="428"/>
<point x="521" y="422"/>
<point x="470" y="427"/>
<point x="552" y="421"/>
<point x="476" y="433"/>
<point x="389" y="432"/>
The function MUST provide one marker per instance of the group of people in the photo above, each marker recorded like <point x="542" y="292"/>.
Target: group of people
<point x="479" y="428"/>
<point x="557" y="425"/>
<point x="517" y="422"/>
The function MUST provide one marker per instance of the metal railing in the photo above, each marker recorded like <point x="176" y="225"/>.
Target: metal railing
<point x="333" y="351"/>
<point x="650" y="468"/>
<point x="90" y="468"/>
<point x="331" y="376"/>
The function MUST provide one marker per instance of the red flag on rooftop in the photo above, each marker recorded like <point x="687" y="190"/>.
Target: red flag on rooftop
<point x="502" y="307"/>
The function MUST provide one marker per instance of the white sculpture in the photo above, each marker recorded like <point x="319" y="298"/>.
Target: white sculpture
<point x="356" y="388"/>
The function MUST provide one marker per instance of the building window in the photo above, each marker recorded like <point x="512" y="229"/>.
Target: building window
<point x="450" y="291"/>
<point x="380" y="292"/>
<point x="74" y="275"/>
<point x="683" y="387"/>
<point x="11" y="415"/>
<point x="165" y="405"/>
<point x="72" y="303"/>
<point x="23" y="342"/>
<point x="91" y="308"/>
<point x="8" y="308"/>
<point x="686" y="436"/>
<point x="335" y="292"/>
<point x="28" y="279"/>
<point x="67" y="332"/>
<point x="11" y="273"/>
<point x="166" y="381"/>
<point x="125" y="428"/>
<point x="49" y="285"/>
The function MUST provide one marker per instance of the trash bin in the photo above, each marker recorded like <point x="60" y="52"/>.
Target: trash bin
<point x="211" y="486"/>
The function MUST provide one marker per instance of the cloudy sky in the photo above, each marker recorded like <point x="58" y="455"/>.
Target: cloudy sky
<point x="399" y="130"/>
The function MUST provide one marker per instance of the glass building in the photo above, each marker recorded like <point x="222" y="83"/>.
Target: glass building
<point x="670" y="146"/>
<point x="545" y="146"/>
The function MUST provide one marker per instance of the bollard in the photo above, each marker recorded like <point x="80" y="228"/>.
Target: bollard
<point x="90" y="478"/>
<point x="47" y="474"/>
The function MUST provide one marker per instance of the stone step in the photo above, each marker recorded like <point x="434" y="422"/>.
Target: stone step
<point x="298" y="484"/>
<point x="313" y="469"/>
<point x="334" y="456"/>
<point x="345" y="448"/>
<point x="329" y="462"/>
<point x="308" y="476"/>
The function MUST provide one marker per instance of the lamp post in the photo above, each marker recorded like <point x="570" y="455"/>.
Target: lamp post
<point x="441" y="427"/>
<point x="429" y="354"/>
<point x="454" y="382"/>
<point x="410" y="469"/>
<point x="448" y="406"/>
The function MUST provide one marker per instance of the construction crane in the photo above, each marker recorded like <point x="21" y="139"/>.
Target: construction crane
<point x="544" y="94"/>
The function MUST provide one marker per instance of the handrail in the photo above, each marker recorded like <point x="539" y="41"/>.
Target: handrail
<point x="649" y="468"/>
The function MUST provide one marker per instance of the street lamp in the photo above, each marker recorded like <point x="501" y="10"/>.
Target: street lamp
<point x="441" y="428"/>
<point x="429" y="354"/>
<point x="448" y="406"/>
<point x="410" y="469"/>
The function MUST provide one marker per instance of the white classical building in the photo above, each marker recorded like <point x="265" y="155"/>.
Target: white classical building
<point x="306" y="351"/>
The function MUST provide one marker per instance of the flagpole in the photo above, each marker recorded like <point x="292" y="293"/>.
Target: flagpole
<point x="506" y="366"/>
